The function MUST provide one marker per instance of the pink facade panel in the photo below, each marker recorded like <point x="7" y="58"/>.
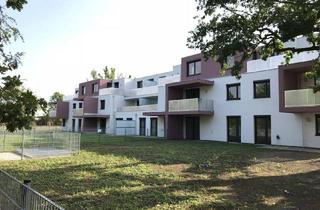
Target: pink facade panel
<point x="209" y="68"/>
<point x="87" y="88"/>
<point x="90" y="105"/>
<point x="62" y="109"/>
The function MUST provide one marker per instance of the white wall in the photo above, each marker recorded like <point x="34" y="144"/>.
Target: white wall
<point x="215" y="127"/>
<point x="309" y="131"/>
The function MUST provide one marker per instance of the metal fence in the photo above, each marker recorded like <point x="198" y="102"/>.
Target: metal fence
<point x="15" y="195"/>
<point x="40" y="143"/>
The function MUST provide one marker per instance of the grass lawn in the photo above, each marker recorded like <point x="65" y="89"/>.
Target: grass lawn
<point x="135" y="173"/>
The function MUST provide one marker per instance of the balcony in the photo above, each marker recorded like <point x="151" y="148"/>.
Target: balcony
<point x="77" y="112"/>
<point x="301" y="98"/>
<point x="142" y="92"/>
<point x="192" y="105"/>
<point x="151" y="107"/>
<point x="53" y="113"/>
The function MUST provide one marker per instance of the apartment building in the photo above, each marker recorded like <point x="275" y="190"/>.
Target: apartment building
<point x="272" y="103"/>
<point x="116" y="106"/>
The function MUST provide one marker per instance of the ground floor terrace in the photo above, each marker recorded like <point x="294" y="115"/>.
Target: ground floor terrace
<point x="145" y="173"/>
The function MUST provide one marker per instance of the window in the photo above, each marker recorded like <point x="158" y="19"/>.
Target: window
<point x="102" y="104"/>
<point x="194" y="68"/>
<point x="137" y="102"/>
<point x="63" y="122"/>
<point x="233" y="92"/>
<point x="234" y="128"/>
<point x="109" y="84"/>
<point x="80" y="105"/>
<point x="95" y="88"/>
<point x="317" y="124"/>
<point x="83" y="90"/>
<point x="139" y="84"/>
<point x="129" y="119"/>
<point x="119" y="118"/>
<point x="74" y="105"/>
<point x="116" y="85"/>
<point x="261" y="89"/>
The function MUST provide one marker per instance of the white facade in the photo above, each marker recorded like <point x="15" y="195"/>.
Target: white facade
<point x="125" y="106"/>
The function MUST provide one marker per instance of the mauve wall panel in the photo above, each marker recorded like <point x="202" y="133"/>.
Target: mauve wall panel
<point x="90" y="105"/>
<point x="62" y="109"/>
<point x="209" y="68"/>
<point x="174" y="127"/>
<point x="90" y="125"/>
<point x="101" y="84"/>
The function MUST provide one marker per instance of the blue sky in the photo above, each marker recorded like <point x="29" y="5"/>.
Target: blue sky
<point x="65" y="40"/>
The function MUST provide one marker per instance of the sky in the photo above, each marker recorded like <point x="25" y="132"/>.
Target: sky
<point x="65" y="40"/>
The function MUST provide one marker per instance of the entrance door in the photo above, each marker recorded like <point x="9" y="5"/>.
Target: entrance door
<point x="73" y="124"/>
<point x="154" y="126"/>
<point x="142" y="126"/>
<point x="103" y="125"/>
<point x="79" y="125"/>
<point x="262" y="129"/>
<point x="234" y="128"/>
<point x="193" y="93"/>
<point x="192" y="128"/>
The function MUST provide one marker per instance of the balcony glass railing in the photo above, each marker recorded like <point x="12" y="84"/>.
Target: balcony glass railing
<point x="77" y="112"/>
<point x="192" y="104"/>
<point x="301" y="98"/>
<point x="151" y="107"/>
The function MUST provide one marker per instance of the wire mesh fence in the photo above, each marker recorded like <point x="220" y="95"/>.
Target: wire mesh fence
<point x="15" y="195"/>
<point x="39" y="143"/>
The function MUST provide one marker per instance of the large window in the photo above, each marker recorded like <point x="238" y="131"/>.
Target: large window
<point x="83" y="90"/>
<point x="116" y="85"/>
<point x="95" y="87"/>
<point x="317" y="124"/>
<point x="74" y="105"/>
<point x="109" y="84"/>
<point x="102" y="104"/>
<point x="234" y="128"/>
<point x="233" y="92"/>
<point x="80" y="105"/>
<point x="261" y="89"/>
<point x="194" y="68"/>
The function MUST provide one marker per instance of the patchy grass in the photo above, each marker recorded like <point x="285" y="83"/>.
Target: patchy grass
<point x="136" y="173"/>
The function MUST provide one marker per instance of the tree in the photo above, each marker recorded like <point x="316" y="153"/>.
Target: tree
<point x="18" y="105"/>
<point x="55" y="98"/>
<point x="94" y="74"/>
<point x="107" y="73"/>
<point x="230" y="27"/>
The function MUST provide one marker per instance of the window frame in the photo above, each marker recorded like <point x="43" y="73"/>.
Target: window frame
<point x="83" y="90"/>
<point x="80" y="105"/>
<point x="268" y="93"/>
<point x="236" y="138"/>
<point x="194" y="66"/>
<point x="138" y="84"/>
<point x="74" y="106"/>
<point x="102" y="102"/>
<point x="93" y="87"/>
<point x="116" y="84"/>
<point x="238" y="86"/>
<point x="317" y="125"/>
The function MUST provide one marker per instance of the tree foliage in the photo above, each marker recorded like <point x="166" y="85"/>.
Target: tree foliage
<point x="229" y="27"/>
<point x="106" y="73"/>
<point x="18" y="105"/>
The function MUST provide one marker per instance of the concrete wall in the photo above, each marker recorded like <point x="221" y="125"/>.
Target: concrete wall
<point x="215" y="127"/>
<point x="309" y="130"/>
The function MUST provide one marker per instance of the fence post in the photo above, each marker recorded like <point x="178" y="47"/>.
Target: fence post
<point x="79" y="142"/>
<point x="4" y="140"/>
<point x="25" y="194"/>
<point x="22" y="145"/>
<point x="70" y="141"/>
